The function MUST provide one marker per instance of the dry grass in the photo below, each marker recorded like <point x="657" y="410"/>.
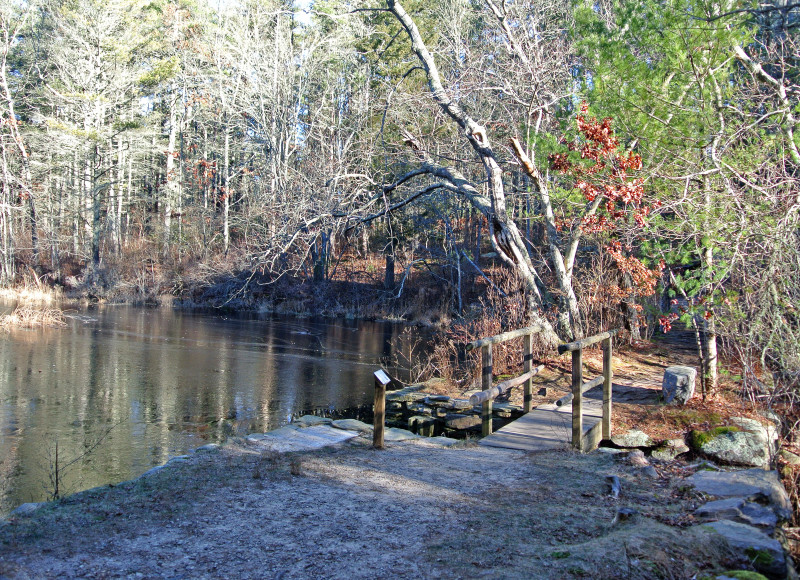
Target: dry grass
<point x="31" y="294"/>
<point x="29" y="317"/>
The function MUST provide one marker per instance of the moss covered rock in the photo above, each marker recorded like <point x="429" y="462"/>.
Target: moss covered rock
<point x="743" y="442"/>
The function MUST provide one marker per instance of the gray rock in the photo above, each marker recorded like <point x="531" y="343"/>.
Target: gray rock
<point x="738" y="509"/>
<point x="454" y="421"/>
<point x="27" y="508"/>
<point x="422" y="425"/>
<point x="394" y="406"/>
<point x="772" y="416"/>
<point x="637" y="458"/>
<point x="280" y="431"/>
<point x="419" y="409"/>
<point x="506" y="410"/>
<point x="633" y="438"/>
<point x="752" y="484"/>
<point x="610" y="450"/>
<point x="678" y="384"/>
<point x="764" y="553"/>
<point x="407" y="395"/>
<point x="752" y="444"/>
<point x="394" y="434"/>
<point x="461" y="404"/>
<point x="311" y="420"/>
<point x="395" y="418"/>
<point x="352" y="425"/>
<point x="650" y="472"/>
<point x="438" y="401"/>
<point x="206" y="448"/>
<point x="670" y="450"/>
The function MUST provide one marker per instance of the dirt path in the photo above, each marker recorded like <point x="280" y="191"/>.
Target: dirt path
<point x="414" y="510"/>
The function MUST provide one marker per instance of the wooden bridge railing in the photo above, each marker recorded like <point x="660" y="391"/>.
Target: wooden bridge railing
<point x="489" y="392"/>
<point x="579" y="387"/>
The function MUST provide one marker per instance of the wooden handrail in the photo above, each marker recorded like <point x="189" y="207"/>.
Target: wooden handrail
<point x="489" y="392"/>
<point x="503" y="337"/>
<point x="585" y="387"/>
<point x="579" y="387"/>
<point x="501" y="388"/>
<point x="583" y="343"/>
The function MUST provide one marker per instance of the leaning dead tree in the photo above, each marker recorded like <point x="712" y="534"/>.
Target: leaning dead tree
<point x="506" y="238"/>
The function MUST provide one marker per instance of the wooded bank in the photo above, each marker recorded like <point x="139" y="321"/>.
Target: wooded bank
<point x="573" y="167"/>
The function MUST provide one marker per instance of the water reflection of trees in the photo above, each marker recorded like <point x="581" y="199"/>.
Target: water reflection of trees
<point x="170" y="381"/>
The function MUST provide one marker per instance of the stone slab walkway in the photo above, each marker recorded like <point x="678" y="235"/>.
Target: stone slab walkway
<point x="309" y="433"/>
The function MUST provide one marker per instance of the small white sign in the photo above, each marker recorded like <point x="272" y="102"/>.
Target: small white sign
<point x="382" y="377"/>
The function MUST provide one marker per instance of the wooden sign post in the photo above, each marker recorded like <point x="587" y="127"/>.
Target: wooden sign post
<point x="381" y="380"/>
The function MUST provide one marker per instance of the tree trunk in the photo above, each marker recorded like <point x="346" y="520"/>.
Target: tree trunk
<point x="505" y="236"/>
<point x="226" y="196"/>
<point x="171" y="187"/>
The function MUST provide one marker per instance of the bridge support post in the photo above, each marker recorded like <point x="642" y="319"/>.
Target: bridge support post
<point x="486" y="384"/>
<point x="607" y="376"/>
<point x="527" y="366"/>
<point x="577" y="398"/>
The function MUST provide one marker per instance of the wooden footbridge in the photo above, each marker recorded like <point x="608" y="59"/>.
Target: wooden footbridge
<point x="580" y="419"/>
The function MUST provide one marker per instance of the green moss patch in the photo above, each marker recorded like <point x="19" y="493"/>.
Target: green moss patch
<point x="759" y="557"/>
<point x="700" y="438"/>
<point x="745" y="575"/>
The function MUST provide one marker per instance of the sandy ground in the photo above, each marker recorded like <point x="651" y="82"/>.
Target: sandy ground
<point x="413" y="510"/>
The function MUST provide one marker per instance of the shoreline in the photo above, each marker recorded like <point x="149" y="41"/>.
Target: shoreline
<point x="415" y="509"/>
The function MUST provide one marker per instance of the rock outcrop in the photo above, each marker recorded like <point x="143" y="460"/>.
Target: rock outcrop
<point x="744" y="442"/>
<point x="751" y="504"/>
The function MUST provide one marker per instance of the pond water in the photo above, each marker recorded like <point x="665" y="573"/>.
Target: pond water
<point x="122" y="389"/>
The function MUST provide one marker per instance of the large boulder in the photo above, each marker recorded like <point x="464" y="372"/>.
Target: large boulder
<point x="678" y="384"/>
<point x="744" y="442"/>
<point x="738" y="509"/>
<point x="752" y="545"/>
<point x="752" y="484"/>
<point x="633" y="438"/>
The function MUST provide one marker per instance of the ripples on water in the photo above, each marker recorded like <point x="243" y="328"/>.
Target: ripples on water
<point x="154" y="383"/>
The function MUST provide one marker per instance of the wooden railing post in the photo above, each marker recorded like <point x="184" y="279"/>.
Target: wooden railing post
<point x="381" y="380"/>
<point x="577" y="399"/>
<point x="486" y="383"/>
<point x="607" y="376"/>
<point x="527" y="366"/>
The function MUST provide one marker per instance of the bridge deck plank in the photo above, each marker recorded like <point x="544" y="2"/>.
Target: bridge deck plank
<point x="546" y="427"/>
